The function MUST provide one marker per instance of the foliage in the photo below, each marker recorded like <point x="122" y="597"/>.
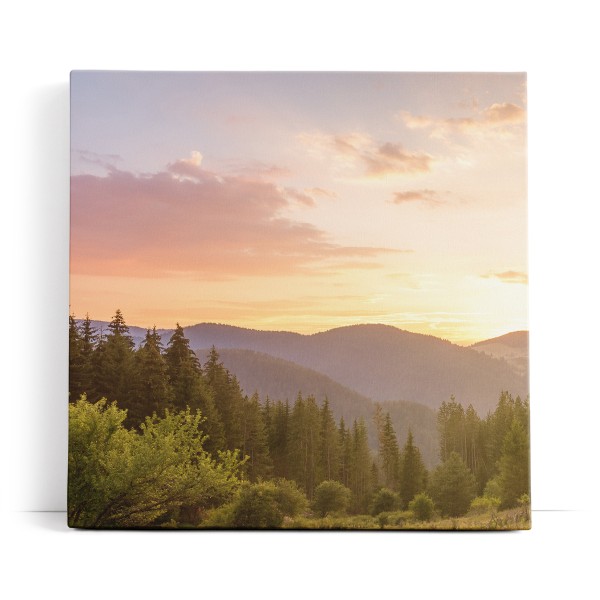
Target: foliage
<point x="331" y="497"/>
<point x="453" y="486"/>
<point x="484" y="504"/>
<point x="257" y="508"/>
<point x="290" y="499"/>
<point x="359" y="464"/>
<point x="121" y="478"/>
<point x="493" y="489"/>
<point x="422" y="507"/>
<point x="389" y="453"/>
<point x="514" y="465"/>
<point x="263" y="505"/>
<point x="158" y="462"/>
<point x="385" y="500"/>
<point x="413" y="475"/>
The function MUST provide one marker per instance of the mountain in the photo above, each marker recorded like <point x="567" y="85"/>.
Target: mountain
<point x="283" y="380"/>
<point x="381" y="362"/>
<point x="512" y="347"/>
<point x="280" y="380"/>
<point x="137" y="333"/>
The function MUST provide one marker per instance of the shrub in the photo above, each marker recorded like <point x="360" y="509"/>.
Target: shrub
<point x="331" y="497"/>
<point x="493" y="488"/>
<point x="290" y="499"/>
<point x="385" y="500"/>
<point x="256" y="508"/>
<point x="485" y="504"/>
<point x="260" y="506"/>
<point x="422" y="507"/>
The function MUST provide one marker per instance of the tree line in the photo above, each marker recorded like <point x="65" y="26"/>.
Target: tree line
<point x="239" y="438"/>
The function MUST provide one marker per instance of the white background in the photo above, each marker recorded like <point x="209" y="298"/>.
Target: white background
<point x="555" y="42"/>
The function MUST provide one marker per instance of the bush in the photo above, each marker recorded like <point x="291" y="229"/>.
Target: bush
<point x="385" y="500"/>
<point x="485" y="504"/>
<point x="422" y="507"/>
<point x="290" y="499"/>
<point x="331" y="497"/>
<point x="257" y="508"/>
<point x="260" y="506"/>
<point x="493" y="489"/>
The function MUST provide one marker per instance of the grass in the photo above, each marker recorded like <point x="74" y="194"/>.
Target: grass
<point x="512" y="519"/>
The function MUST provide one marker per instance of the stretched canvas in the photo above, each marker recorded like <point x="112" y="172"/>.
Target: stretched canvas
<point x="298" y="301"/>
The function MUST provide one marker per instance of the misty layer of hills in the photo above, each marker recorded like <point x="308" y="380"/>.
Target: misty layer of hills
<point x="358" y="365"/>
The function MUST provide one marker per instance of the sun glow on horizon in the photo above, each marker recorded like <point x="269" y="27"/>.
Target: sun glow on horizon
<point x="297" y="207"/>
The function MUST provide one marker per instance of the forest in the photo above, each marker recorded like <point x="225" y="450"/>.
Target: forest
<point x="160" y="439"/>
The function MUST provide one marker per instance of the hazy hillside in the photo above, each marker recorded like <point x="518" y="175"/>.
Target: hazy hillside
<point x="512" y="347"/>
<point x="381" y="362"/>
<point x="280" y="380"/>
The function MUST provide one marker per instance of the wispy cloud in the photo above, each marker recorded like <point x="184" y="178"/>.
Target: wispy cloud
<point x="357" y="152"/>
<point x="426" y="196"/>
<point x="107" y="161"/>
<point x="497" y="118"/>
<point x="509" y="277"/>
<point x="196" y="223"/>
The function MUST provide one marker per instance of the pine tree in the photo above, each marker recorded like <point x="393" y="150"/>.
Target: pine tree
<point x="345" y="452"/>
<point x="329" y="458"/>
<point x="453" y="486"/>
<point x="76" y="361"/>
<point x="303" y="446"/>
<point x="255" y="441"/>
<point x="153" y="393"/>
<point x="514" y="465"/>
<point x="413" y="475"/>
<point x="389" y="458"/>
<point x="228" y="399"/>
<point x="451" y="428"/>
<point x="114" y="364"/>
<point x="190" y="388"/>
<point x="89" y="339"/>
<point x="278" y="443"/>
<point x="360" y="468"/>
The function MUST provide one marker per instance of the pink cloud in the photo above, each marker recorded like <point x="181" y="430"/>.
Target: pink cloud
<point x="427" y="196"/>
<point x="497" y="117"/>
<point x="189" y="221"/>
<point x="357" y="151"/>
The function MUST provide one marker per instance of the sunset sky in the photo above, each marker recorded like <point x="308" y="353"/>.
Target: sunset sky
<point x="301" y="201"/>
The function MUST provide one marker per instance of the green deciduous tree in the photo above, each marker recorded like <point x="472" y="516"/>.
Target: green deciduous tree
<point x="121" y="478"/>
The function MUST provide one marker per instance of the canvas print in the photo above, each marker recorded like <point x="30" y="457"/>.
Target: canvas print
<point x="298" y="301"/>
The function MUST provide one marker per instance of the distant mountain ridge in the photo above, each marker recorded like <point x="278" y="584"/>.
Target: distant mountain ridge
<point x="512" y="347"/>
<point x="379" y="362"/>
<point x="279" y="379"/>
